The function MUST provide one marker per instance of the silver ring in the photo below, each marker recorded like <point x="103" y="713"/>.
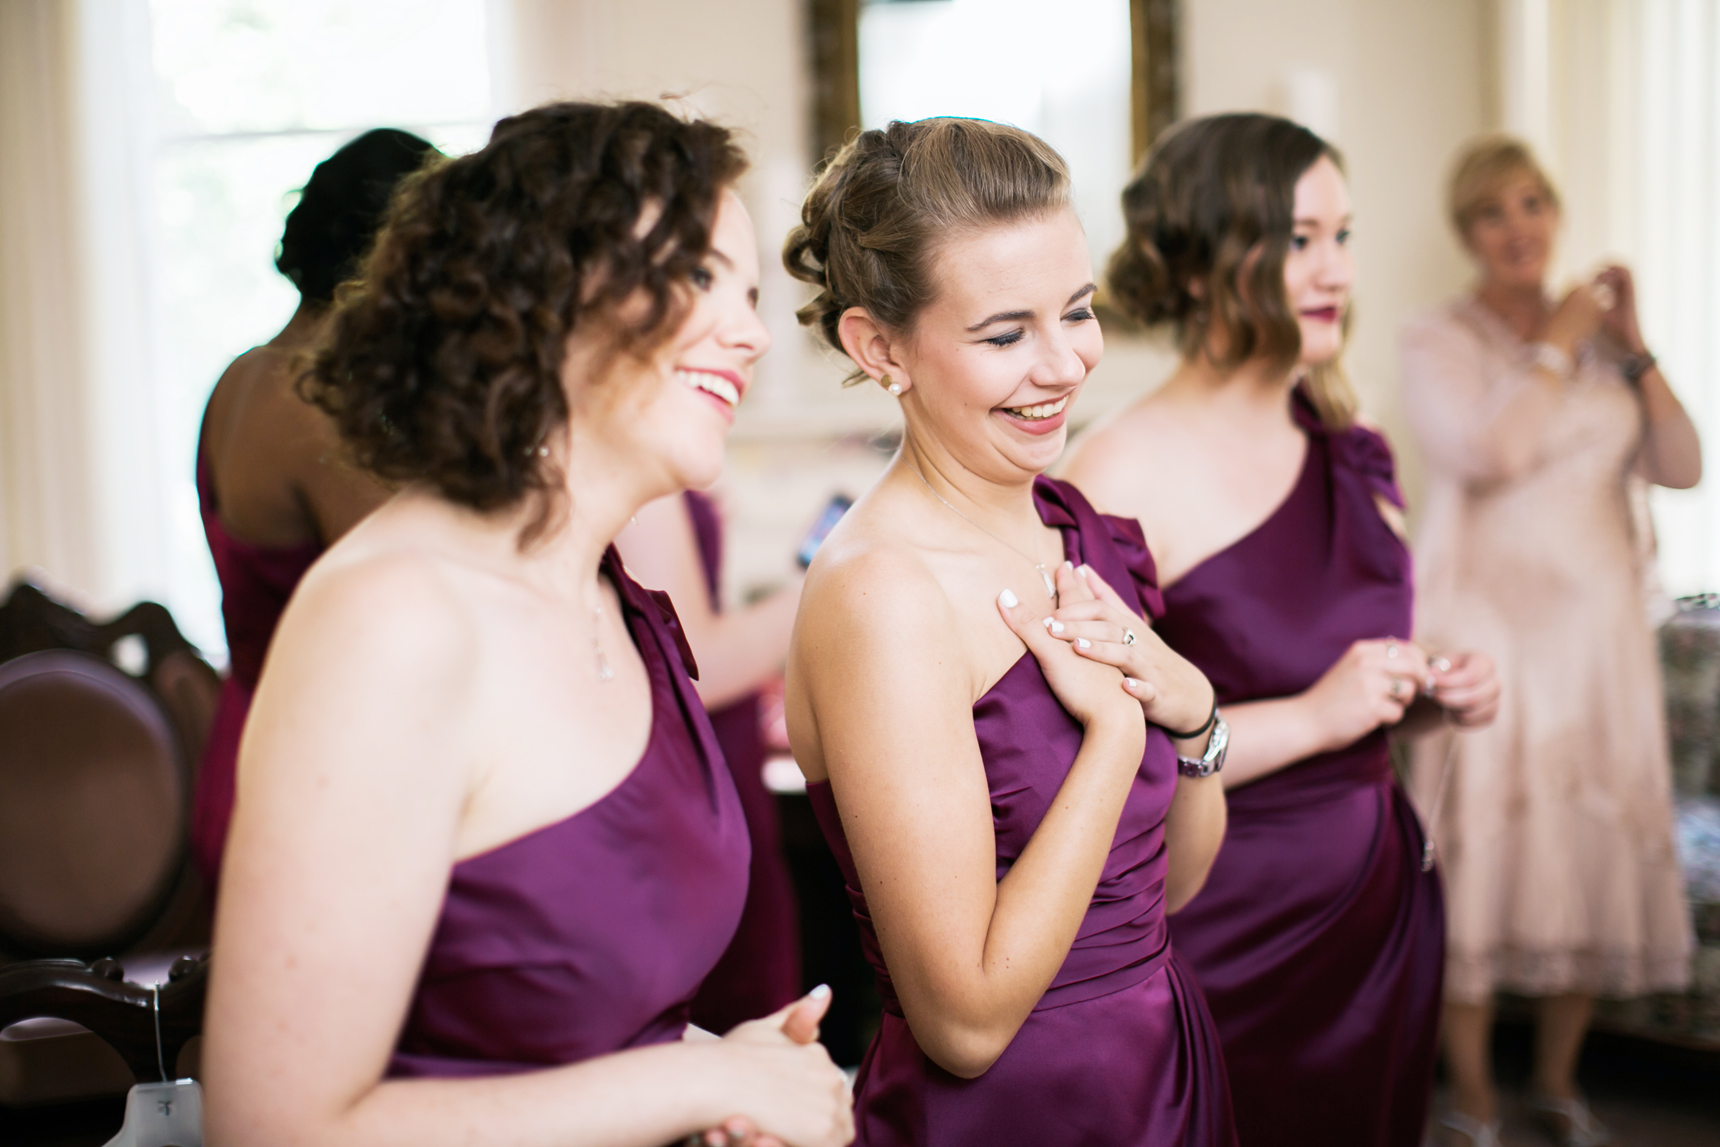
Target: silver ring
<point x="1391" y="649"/>
<point x="1129" y="637"/>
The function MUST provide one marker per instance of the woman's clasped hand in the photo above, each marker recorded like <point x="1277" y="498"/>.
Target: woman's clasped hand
<point x="1098" y="626"/>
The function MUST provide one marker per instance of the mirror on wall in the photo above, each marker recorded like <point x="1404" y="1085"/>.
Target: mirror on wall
<point x="1095" y="78"/>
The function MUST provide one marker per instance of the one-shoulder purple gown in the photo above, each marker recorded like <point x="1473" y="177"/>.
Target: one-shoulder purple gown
<point x="1120" y="1051"/>
<point x="760" y="972"/>
<point x="592" y="934"/>
<point x="1318" y="940"/>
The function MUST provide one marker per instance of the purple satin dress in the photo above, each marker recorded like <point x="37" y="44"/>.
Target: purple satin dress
<point x="256" y="583"/>
<point x="1120" y="1051"/>
<point x="1318" y="940"/>
<point x="592" y="934"/>
<point x="760" y="972"/>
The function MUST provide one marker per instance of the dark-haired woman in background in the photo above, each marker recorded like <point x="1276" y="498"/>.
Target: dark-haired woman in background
<point x="1276" y="521"/>
<point x="271" y="481"/>
<point x="996" y="772"/>
<point x="483" y="829"/>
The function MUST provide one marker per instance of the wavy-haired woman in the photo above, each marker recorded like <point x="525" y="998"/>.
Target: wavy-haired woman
<point x="1276" y="520"/>
<point x="989" y="728"/>
<point x="482" y="827"/>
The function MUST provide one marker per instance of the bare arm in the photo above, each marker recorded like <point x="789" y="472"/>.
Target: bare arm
<point x="879" y="699"/>
<point x="737" y="651"/>
<point x="1671" y="452"/>
<point x="1194" y="830"/>
<point x="318" y="965"/>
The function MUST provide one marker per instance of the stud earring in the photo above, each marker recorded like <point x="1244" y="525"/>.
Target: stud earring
<point x="895" y="388"/>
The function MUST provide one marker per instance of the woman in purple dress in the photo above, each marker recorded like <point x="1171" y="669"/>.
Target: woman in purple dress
<point x="484" y="848"/>
<point x="1276" y="519"/>
<point x="1006" y="805"/>
<point x="271" y="483"/>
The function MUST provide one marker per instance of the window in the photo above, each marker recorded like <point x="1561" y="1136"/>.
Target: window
<point x="246" y="96"/>
<point x="1061" y="71"/>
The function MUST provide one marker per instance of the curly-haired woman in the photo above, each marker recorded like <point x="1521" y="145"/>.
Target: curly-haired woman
<point x="1276" y="520"/>
<point x="997" y="774"/>
<point x="482" y="827"/>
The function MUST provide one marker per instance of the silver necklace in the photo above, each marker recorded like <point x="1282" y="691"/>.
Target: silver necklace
<point x="1044" y="574"/>
<point x="604" y="672"/>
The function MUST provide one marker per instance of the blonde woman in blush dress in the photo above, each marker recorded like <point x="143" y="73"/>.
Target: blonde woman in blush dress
<point x="1535" y="417"/>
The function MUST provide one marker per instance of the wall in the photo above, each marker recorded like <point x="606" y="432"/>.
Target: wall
<point x="1412" y="80"/>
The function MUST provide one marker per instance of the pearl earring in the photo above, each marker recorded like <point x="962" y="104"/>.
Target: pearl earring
<point x="895" y="388"/>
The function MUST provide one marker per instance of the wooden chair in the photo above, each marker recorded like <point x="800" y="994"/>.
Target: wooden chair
<point x="101" y="726"/>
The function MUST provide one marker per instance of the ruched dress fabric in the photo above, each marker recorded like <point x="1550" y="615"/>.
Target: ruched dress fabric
<point x="256" y="583"/>
<point x="1120" y="1051"/>
<point x="592" y="934"/>
<point x="1556" y="833"/>
<point x="760" y="972"/>
<point x="1317" y="938"/>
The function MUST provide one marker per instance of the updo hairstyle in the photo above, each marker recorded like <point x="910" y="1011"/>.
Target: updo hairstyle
<point x="1482" y="170"/>
<point x="1210" y="218"/>
<point x="443" y="362"/>
<point x="871" y="226"/>
<point x="340" y="208"/>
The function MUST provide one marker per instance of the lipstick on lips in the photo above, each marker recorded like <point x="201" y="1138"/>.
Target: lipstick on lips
<point x="1321" y="314"/>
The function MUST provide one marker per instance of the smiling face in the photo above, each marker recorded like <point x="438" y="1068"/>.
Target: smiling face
<point x="1319" y="268"/>
<point x="1511" y="233"/>
<point x="668" y="417"/>
<point x="993" y="363"/>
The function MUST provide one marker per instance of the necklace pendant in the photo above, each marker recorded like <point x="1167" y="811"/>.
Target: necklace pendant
<point x="1050" y="585"/>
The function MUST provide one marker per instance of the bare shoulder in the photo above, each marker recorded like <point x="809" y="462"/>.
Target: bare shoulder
<point x="1132" y="450"/>
<point x="865" y="587"/>
<point x="376" y="609"/>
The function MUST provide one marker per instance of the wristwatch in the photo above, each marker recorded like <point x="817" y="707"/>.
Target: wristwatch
<point x="1212" y="760"/>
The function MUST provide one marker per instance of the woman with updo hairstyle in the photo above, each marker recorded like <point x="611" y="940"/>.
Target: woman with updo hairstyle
<point x="273" y="485"/>
<point x="989" y="727"/>
<point x="1542" y="420"/>
<point x="485" y="848"/>
<point x="1275" y="514"/>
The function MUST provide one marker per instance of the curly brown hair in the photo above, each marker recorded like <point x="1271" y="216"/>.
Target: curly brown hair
<point x="871" y="223"/>
<point x="1210" y="194"/>
<point x="442" y="362"/>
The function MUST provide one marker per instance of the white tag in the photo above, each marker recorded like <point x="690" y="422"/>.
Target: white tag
<point x="162" y="1115"/>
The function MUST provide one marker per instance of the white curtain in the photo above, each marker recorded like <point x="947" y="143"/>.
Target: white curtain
<point x="77" y="509"/>
<point x="1622" y="99"/>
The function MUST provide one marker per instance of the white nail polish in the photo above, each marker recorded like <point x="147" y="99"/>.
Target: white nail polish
<point x="1056" y="627"/>
<point x="1131" y="683"/>
<point x="1083" y="643"/>
<point x="818" y="993"/>
<point x="1045" y="621"/>
<point x="1068" y="565"/>
<point x="1008" y="598"/>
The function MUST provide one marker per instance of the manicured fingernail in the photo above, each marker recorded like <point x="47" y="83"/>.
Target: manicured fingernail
<point x="1085" y="570"/>
<point x="1083" y="643"/>
<point x="1068" y="565"/>
<point x="1441" y="665"/>
<point x="1056" y="627"/>
<point x="1131" y="683"/>
<point x="822" y="991"/>
<point x="1008" y="598"/>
